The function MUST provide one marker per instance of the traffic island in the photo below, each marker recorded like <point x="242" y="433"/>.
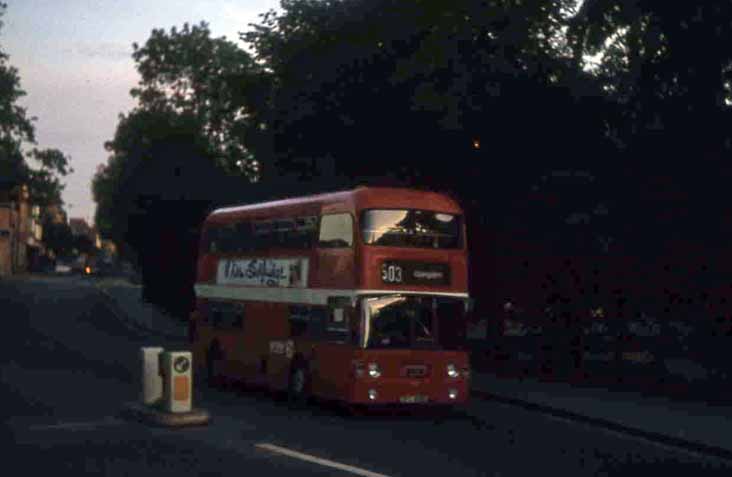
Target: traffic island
<point x="156" y="415"/>
<point x="167" y="383"/>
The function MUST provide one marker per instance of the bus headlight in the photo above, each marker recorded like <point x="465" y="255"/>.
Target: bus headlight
<point x="452" y="371"/>
<point x="374" y="370"/>
<point x="452" y="393"/>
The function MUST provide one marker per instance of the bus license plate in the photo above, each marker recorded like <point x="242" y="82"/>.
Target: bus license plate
<point x="415" y="371"/>
<point x="413" y="399"/>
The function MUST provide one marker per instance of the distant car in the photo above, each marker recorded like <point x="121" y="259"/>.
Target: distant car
<point x="78" y="265"/>
<point x="62" y="268"/>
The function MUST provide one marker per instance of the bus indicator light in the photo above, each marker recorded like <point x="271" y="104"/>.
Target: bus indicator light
<point x="452" y="371"/>
<point x="374" y="370"/>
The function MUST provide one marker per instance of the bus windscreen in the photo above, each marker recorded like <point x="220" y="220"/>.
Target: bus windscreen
<point x="414" y="322"/>
<point x="411" y="228"/>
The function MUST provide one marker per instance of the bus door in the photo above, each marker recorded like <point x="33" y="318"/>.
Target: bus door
<point x="279" y="346"/>
<point x="332" y="357"/>
<point x="227" y="320"/>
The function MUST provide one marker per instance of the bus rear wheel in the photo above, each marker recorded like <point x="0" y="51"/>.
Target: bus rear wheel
<point x="298" y="386"/>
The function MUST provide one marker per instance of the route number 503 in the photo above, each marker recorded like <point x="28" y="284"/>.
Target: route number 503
<point x="391" y="273"/>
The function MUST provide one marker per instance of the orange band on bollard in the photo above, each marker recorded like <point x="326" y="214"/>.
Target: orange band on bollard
<point x="181" y="385"/>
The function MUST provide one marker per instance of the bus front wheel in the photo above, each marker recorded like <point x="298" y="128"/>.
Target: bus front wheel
<point x="298" y="387"/>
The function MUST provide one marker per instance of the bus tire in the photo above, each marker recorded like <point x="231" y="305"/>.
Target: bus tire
<point x="214" y="356"/>
<point x="298" y="385"/>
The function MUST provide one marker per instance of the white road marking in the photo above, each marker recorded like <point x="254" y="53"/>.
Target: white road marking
<point x="77" y="426"/>
<point x="318" y="460"/>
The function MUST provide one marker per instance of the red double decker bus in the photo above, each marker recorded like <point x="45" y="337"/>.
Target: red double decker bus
<point x="356" y="296"/>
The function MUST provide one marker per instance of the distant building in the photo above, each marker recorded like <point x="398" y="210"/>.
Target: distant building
<point x="8" y="219"/>
<point x="20" y="229"/>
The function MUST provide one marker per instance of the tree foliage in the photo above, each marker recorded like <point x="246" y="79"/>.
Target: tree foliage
<point x="140" y="137"/>
<point x="667" y="62"/>
<point x="404" y="88"/>
<point x="57" y="236"/>
<point x="668" y="65"/>
<point x="171" y="153"/>
<point x="16" y="131"/>
<point x="45" y="182"/>
<point x="190" y="73"/>
<point x="190" y="96"/>
<point x="15" y="125"/>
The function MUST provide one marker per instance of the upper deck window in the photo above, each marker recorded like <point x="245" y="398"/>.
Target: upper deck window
<point x="336" y="230"/>
<point x="298" y="233"/>
<point x="411" y="228"/>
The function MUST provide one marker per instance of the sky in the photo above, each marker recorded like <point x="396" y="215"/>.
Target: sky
<point x="74" y="62"/>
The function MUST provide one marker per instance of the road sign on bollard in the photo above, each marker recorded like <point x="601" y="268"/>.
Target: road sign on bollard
<point x="152" y="384"/>
<point x="177" y="381"/>
<point x="167" y="388"/>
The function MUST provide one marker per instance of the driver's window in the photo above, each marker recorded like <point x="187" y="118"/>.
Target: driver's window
<point x="423" y="322"/>
<point x="390" y="325"/>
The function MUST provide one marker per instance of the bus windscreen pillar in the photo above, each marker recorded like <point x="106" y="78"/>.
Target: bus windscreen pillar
<point x="177" y="381"/>
<point x="152" y="384"/>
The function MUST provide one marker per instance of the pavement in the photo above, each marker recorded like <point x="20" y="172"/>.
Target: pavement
<point x="693" y="426"/>
<point x="126" y="300"/>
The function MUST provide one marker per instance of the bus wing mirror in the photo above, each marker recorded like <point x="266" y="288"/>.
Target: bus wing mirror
<point x="469" y="305"/>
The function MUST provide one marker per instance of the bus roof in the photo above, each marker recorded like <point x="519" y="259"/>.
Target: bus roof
<point x="359" y="198"/>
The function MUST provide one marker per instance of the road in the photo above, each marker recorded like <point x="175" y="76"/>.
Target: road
<point x="68" y="365"/>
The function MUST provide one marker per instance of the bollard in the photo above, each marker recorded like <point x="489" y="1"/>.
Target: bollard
<point x="152" y="384"/>
<point x="167" y="387"/>
<point x="176" y="371"/>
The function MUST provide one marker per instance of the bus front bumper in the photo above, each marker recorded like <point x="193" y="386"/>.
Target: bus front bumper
<point x="409" y="392"/>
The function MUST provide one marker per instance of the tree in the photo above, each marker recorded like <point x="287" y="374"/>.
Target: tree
<point x="667" y="65"/>
<point x="15" y="126"/>
<point x="16" y="129"/>
<point x="154" y="192"/>
<point x="400" y="88"/>
<point x="45" y="182"/>
<point x="188" y="72"/>
<point x="57" y="236"/>
<point x="140" y="137"/>
<point x="191" y="94"/>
